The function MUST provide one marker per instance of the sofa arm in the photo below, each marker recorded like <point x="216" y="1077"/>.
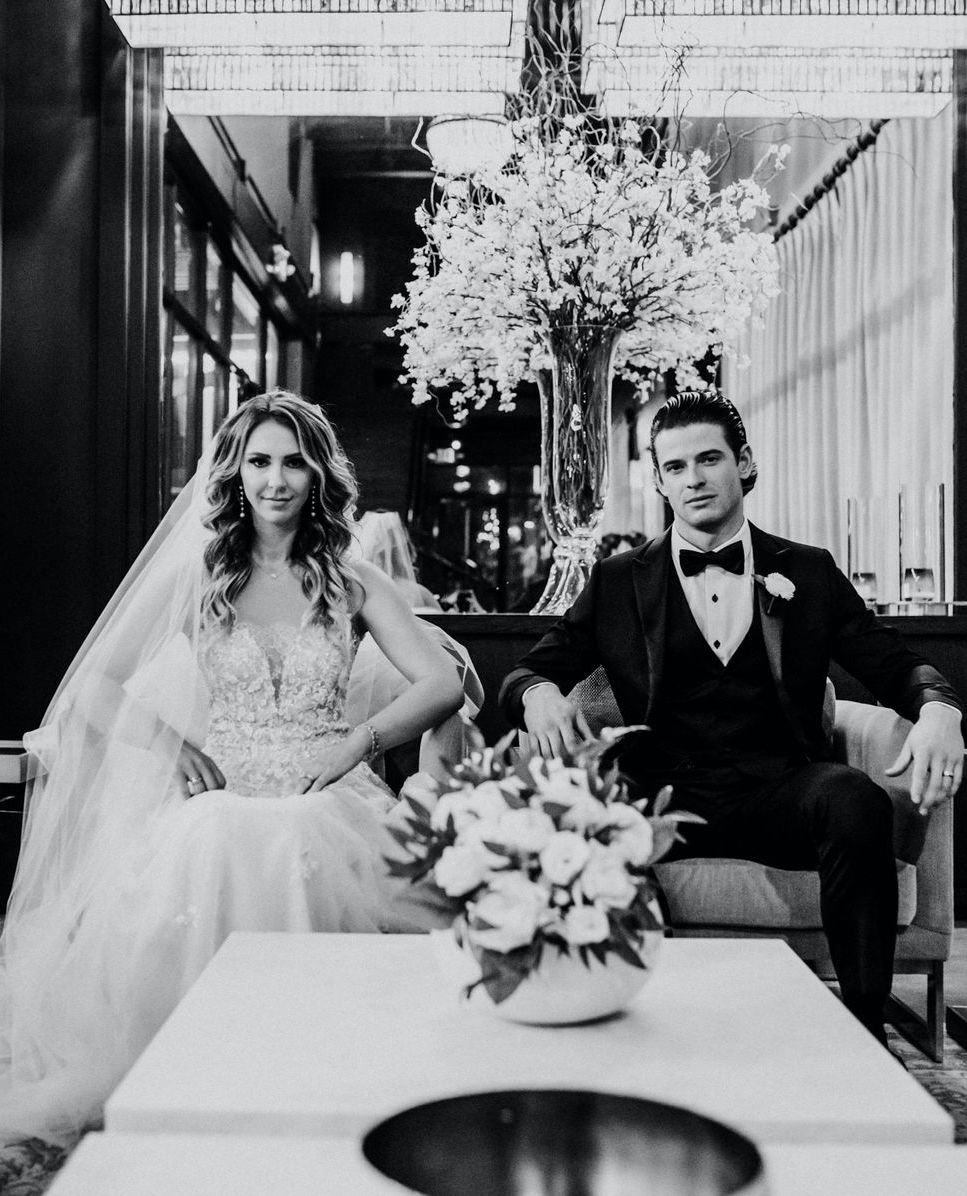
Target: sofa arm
<point x="870" y="737"/>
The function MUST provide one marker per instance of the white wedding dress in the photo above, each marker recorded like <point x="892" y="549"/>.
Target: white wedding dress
<point x="257" y="856"/>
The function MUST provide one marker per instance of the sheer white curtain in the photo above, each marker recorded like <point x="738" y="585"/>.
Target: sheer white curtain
<point x="849" y="394"/>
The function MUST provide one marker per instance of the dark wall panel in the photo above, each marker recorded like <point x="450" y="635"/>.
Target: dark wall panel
<point x="69" y="312"/>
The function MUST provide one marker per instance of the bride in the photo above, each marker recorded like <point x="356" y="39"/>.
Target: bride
<point x="196" y="773"/>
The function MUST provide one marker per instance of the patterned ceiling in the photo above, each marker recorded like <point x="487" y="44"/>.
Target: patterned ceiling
<point x="830" y="58"/>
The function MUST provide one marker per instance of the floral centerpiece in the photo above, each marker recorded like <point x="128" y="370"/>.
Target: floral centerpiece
<point x="598" y="246"/>
<point x="543" y="858"/>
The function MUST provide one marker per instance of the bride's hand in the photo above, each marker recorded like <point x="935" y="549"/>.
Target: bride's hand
<point x="340" y="758"/>
<point x="197" y="772"/>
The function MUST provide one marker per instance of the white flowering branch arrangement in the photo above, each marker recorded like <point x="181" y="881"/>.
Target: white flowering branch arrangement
<point x="590" y="222"/>
<point x="539" y="855"/>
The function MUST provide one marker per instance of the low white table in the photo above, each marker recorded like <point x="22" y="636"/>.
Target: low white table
<point x="211" y="1165"/>
<point x="322" y="1035"/>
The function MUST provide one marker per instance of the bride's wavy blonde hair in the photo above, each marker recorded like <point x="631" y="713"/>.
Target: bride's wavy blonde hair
<point x="321" y="540"/>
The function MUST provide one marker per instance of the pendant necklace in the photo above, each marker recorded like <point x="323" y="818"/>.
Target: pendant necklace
<point x="287" y="564"/>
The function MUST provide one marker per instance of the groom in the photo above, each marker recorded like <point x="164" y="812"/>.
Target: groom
<point x="719" y="637"/>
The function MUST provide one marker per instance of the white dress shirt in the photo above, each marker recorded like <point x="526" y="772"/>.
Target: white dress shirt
<point x="720" y="601"/>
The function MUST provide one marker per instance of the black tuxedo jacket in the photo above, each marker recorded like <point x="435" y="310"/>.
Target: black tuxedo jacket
<point x="618" y="622"/>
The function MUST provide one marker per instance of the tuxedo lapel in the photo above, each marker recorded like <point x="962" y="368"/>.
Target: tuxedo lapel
<point x="650" y="573"/>
<point x="768" y="557"/>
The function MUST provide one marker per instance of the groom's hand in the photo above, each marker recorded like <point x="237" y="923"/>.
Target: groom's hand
<point x="553" y="723"/>
<point x="934" y="751"/>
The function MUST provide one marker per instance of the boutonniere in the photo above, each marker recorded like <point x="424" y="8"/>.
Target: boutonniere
<point x="776" y="586"/>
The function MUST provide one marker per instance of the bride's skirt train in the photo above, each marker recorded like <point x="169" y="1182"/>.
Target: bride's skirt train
<point x="218" y="863"/>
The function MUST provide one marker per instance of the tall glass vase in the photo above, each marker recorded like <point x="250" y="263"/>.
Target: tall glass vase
<point x="575" y="453"/>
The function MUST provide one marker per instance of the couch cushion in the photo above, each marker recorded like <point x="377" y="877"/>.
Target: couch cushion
<point x="721" y="892"/>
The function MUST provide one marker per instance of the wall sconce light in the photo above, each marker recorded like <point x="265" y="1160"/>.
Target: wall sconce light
<point x="315" y="264"/>
<point x="280" y="267"/>
<point x="350" y="277"/>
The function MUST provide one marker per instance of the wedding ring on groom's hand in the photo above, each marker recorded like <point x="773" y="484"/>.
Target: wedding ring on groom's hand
<point x="192" y="782"/>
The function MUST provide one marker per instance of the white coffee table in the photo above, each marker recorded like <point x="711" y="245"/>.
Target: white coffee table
<point x="252" y="1165"/>
<point x="325" y="1034"/>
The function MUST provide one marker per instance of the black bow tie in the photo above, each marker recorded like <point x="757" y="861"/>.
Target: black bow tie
<point x="730" y="558"/>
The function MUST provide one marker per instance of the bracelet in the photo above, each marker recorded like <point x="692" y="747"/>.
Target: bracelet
<point x="373" y="741"/>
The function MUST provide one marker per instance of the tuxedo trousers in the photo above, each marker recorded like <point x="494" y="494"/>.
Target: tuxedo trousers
<point x="823" y="817"/>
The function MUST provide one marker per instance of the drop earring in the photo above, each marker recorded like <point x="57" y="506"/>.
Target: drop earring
<point x="241" y="501"/>
<point x="312" y="504"/>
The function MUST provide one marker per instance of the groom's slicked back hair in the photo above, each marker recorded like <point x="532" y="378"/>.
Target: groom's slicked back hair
<point x="703" y="407"/>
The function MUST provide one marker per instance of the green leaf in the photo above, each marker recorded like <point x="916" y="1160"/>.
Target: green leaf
<point x="624" y="951"/>
<point x="502" y="972"/>
<point x="650" y="920"/>
<point x="418" y="808"/>
<point x="500" y="983"/>
<point x="599" y="951"/>
<point x="404" y="838"/>
<point x="523" y="773"/>
<point x="500" y="849"/>
<point x="664" y="836"/>
<point x="411" y="868"/>
<point x="505" y="742"/>
<point x="663" y="798"/>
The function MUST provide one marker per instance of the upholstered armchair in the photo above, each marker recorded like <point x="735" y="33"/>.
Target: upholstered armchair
<point x="724" y="897"/>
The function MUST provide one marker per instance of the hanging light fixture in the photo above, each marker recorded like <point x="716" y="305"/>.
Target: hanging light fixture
<point x="463" y="144"/>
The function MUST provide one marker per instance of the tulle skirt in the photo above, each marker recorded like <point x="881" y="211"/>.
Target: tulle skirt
<point x="218" y="863"/>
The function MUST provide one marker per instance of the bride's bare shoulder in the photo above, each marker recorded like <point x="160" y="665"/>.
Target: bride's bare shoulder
<point x="368" y="582"/>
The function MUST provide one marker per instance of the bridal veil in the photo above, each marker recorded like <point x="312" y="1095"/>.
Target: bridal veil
<point x="101" y="769"/>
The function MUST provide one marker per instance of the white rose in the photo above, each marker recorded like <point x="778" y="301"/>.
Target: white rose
<point x="455" y="806"/>
<point x="563" y="786"/>
<point x="487" y="800"/>
<point x="461" y="869"/>
<point x="513" y="908"/>
<point x="422" y="788"/>
<point x="779" y="586"/>
<point x="586" y="815"/>
<point x="605" y="878"/>
<point x="585" y="924"/>
<point x="477" y="835"/>
<point x="525" y="831"/>
<point x="563" y="857"/>
<point x="633" y="836"/>
<point x="568" y="787"/>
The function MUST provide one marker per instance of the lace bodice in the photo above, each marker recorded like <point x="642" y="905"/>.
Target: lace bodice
<point x="278" y="695"/>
